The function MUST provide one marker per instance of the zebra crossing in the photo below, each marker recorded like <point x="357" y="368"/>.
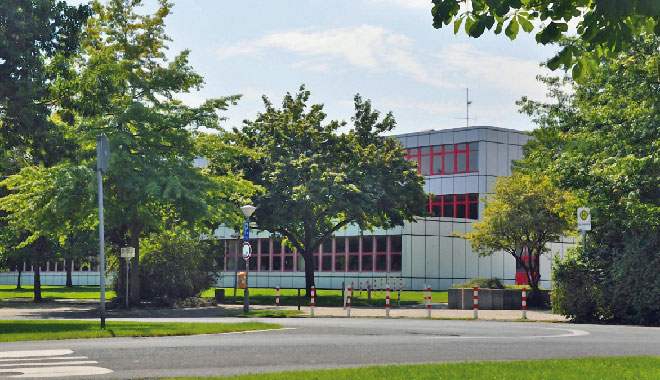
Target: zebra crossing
<point x="47" y="363"/>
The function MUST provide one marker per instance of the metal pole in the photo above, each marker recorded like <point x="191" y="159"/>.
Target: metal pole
<point x="128" y="264"/>
<point x="101" y="249"/>
<point x="236" y="265"/>
<point x="246" y="293"/>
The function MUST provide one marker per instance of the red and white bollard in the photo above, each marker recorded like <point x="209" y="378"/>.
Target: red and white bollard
<point x="348" y="304"/>
<point x="311" y="311"/>
<point x="387" y="302"/>
<point x="424" y="294"/>
<point x="428" y="302"/>
<point x="277" y="300"/>
<point x="476" y="302"/>
<point x="524" y="302"/>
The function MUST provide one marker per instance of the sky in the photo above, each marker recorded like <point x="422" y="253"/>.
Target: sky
<point x="385" y="50"/>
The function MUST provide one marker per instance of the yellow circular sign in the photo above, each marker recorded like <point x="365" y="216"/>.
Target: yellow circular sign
<point x="584" y="214"/>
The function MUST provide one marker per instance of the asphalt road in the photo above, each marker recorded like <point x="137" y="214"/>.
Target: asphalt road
<point x="323" y="343"/>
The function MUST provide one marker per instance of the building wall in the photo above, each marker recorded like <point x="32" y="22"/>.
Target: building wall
<point x="430" y="253"/>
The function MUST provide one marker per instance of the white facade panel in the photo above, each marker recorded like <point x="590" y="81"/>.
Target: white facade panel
<point x="423" y="140"/>
<point x="491" y="159"/>
<point x="432" y="257"/>
<point x="458" y="258"/>
<point x="418" y="256"/>
<point x="503" y="163"/>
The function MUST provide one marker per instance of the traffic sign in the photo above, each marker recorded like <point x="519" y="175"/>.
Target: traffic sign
<point x="247" y="250"/>
<point x="128" y="252"/>
<point x="584" y="219"/>
<point x="246" y="231"/>
<point x="102" y="154"/>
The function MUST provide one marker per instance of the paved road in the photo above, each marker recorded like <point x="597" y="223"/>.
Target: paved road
<point x="326" y="343"/>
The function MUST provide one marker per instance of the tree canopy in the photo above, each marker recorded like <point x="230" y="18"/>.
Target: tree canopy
<point x="524" y="211"/>
<point x="127" y="89"/>
<point x="599" y="138"/>
<point x="36" y="39"/>
<point x="607" y="27"/>
<point x="317" y="180"/>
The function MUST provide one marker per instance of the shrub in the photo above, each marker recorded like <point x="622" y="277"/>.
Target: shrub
<point x="175" y="266"/>
<point x="484" y="283"/>
<point x="574" y="291"/>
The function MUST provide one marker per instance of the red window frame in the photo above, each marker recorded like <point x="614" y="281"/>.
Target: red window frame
<point x="421" y="153"/>
<point x="451" y="200"/>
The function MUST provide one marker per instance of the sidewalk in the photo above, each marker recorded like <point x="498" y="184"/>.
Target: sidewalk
<point x="63" y="310"/>
<point x="438" y="311"/>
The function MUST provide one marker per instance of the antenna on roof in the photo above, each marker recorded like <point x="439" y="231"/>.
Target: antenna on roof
<point x="467" y="108"/>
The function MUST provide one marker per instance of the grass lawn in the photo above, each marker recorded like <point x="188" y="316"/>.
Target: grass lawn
<point x="637" y="368"/>
<point x="289" y="297"/>
<point x="12" y="331"/>
<point x="53" y="292"/>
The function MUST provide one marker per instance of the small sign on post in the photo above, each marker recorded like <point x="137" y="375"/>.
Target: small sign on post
<point x="584" y="219"/>
<point x="246" y="231"/>
<point x="247" y="250"/>
<point x="127" y="253"/>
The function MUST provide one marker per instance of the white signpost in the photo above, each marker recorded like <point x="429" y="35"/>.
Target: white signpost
<point x="127" y="253"/>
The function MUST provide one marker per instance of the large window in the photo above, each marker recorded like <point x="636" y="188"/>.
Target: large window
<point x="464" y="206"/>
<point x="446" y="159"/>
<point x="341" y="254"/>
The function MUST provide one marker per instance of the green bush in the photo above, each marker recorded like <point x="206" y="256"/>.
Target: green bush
<point x="482" y="283"/>
<point x="175" y="266"/>
<point x="574" y="292"/>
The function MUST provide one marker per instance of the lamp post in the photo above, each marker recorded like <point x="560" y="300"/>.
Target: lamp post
<point x="247" y="212"/>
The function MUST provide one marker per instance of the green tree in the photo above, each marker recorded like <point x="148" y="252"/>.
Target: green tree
<point x="36" y="38"/>
<point x="127" y="89"/>
<point x="606" y="27"/>
<point x="524" y="211"/>
<point x="317" y="181"/>
<point x="44" y="207"/>
<point x="599" y="138"/>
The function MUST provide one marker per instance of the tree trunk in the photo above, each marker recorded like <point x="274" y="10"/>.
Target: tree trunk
<point x="18" y="281"/>
<point x="535" y="298"/>
<point x="69" y="280"/>
<point x="36" y="262"/>
<point x="135" y="266"/>
<point x="120" y="289"/>
<point x="309" y="273"/>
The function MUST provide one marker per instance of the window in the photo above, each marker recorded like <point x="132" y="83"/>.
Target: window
<point x="326" y="263"/>
<point x="277" y="255"/>
<point x="326" y="258"/>
<point x="264" y="254"/>
<point x="395" y="253"/>
<point x="445" y="159"/>
<point x="381" y="253"/>
<point x="454" y="206"/>
<point x="354" y="251"/>
<point x="288" y="263"/>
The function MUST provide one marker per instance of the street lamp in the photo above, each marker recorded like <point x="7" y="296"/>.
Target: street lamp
<point x="247" y="250"/>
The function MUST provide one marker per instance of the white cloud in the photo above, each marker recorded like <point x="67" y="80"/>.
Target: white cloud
<point x="377" y="49"/>
<point x="407" y="3"/>
<point x="369" y="47"/>
<point x="496" y="71"/>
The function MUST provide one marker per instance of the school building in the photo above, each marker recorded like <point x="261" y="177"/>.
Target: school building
<point x="460" y="166"/>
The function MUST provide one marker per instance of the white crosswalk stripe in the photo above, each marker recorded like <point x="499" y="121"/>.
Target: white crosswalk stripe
<point x="46" y="363"/>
